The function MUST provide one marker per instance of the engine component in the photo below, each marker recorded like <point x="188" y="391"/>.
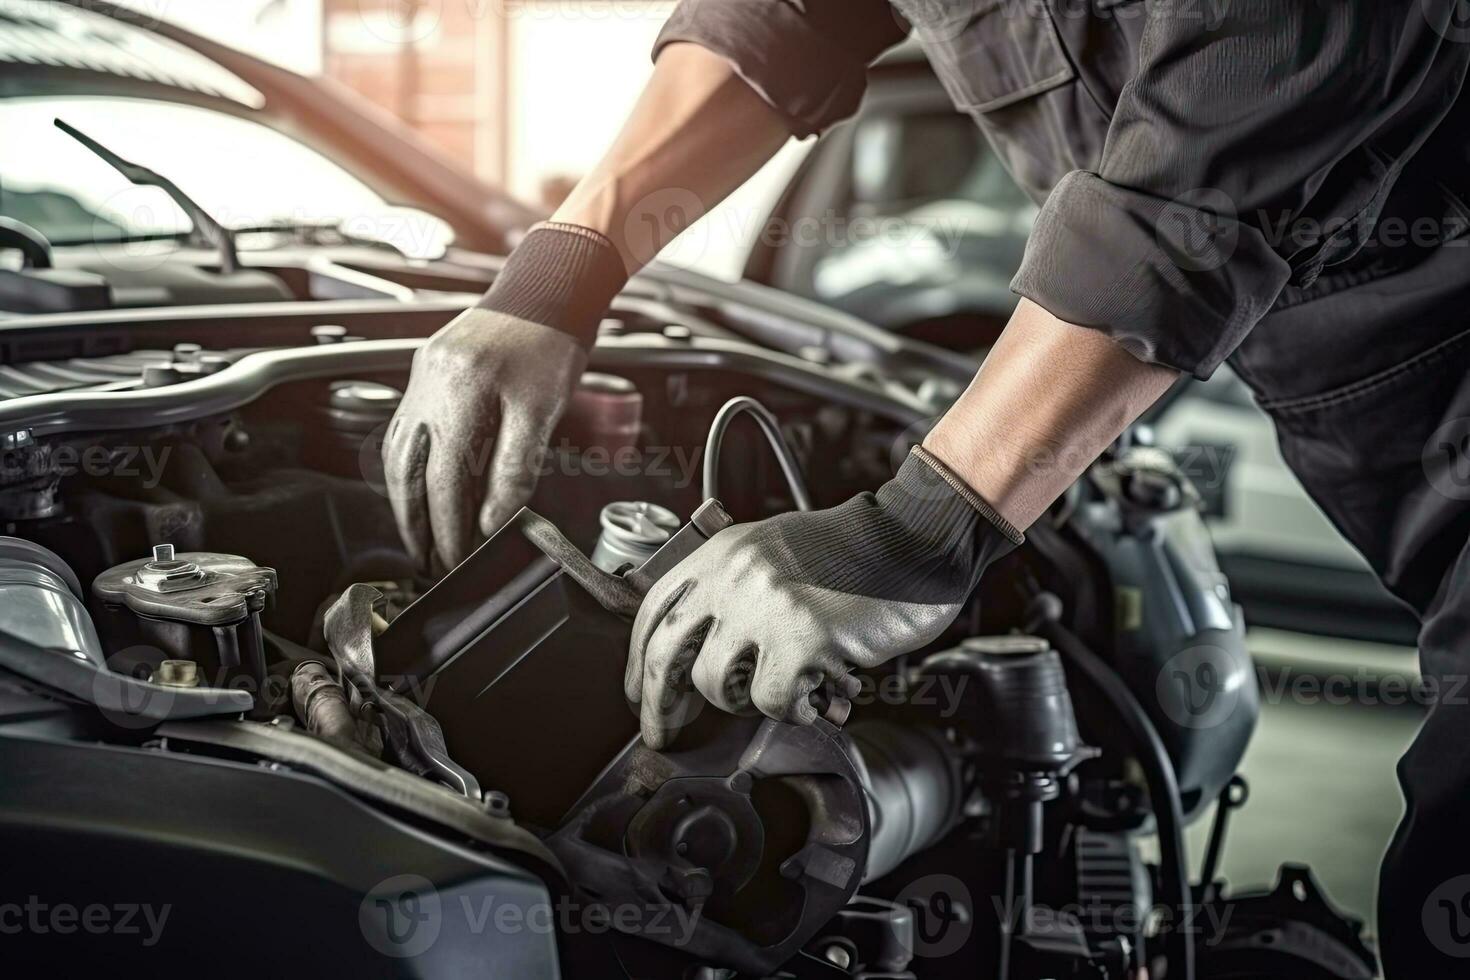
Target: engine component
<point x="1179" y="640"/>
<point x="1029" y="742"/>
<point x="28" y="482"/>
<point x="873" y="938"/>
<point x="914" y="787"/>
<point x="42" y="600"/>
<point x="1026" y="749"/>
<point x="528" y="589"/>
<point x="48" y="637"/>
<point x="412" y="734"/>
<point x="177" y="673"/>
<point x="322" y="705"/>
<point x="198" y="606"/>
<point x="357" y="416"/>
<point x="757" y="826"/>
<point x="605" y="414"/>
<point x="1292" y="931"/>
<point x="631" y="532"/>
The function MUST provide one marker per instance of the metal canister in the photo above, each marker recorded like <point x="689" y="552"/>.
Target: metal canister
<point x="632" y="530"/>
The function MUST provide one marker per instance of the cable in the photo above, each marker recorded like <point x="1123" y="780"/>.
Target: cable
<point x="1163" y="784"/>
<point x="1018" y="899"/>
<point x="772" y="430"/>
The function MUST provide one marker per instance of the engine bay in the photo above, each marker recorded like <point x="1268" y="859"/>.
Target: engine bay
<point x="225" y="686"/>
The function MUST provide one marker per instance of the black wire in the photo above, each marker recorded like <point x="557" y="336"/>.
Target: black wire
<point x="772" y="429"/>
<point x="1163" y="788"/>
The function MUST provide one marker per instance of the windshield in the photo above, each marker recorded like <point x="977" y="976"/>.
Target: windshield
<point x="243" y="173"/>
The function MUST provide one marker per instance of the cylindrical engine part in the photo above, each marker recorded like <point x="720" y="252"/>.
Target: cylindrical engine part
<point x="321" y="703"/>
<point x="632" y="530"/>
<point x="357" y="416"/>
<point x="605" y="413"/>
<point x="42" y="600"/>
<point x="1021" y="692"/>
<point x="914" y="790"/>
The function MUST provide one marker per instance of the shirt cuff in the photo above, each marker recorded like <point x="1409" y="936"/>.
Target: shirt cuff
<point x="802" y="73"/>
<point x="1178" y="283"/>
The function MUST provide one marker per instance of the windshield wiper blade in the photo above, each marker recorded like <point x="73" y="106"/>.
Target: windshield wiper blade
<point x="204" y="223"/>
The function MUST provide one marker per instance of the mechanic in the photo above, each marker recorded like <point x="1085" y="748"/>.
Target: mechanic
<point x="1211" y="177"/>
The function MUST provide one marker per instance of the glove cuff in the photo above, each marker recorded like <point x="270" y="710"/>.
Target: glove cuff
<point x="563" y="276"/>
<point x="951" y="479"/>
<point x="936" y="507"/>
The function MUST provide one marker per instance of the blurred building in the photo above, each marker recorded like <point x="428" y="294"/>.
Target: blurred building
<point x="526" y="92"/>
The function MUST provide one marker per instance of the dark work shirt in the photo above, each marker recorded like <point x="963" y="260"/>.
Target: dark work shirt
<point x="1198" y="160"/>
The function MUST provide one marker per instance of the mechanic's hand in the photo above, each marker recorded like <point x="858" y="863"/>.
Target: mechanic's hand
<point x="763" y="614"/>
<point x="462" y="453"/>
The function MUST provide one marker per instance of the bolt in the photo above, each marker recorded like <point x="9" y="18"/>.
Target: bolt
<point x="187" y="353"/>
<point x="838" y="956"/>
<point x="177" y="673"/>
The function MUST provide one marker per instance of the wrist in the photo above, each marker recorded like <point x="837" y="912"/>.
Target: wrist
<point x="945" y="517"/>
<point x="562" y="276"/>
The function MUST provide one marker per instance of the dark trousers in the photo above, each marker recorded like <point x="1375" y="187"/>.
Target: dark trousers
<point x="1367" y="378"/>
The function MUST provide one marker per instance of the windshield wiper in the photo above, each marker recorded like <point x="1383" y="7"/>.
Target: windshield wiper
<point x="205" y="225"/>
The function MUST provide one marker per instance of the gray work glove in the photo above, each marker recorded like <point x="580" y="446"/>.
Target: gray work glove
<point x="764" y="614"/>
<point x="462" y="453"/>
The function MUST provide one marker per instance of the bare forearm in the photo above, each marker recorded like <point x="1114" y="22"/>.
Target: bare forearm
<point x="1049" y="399"/>
<point x="697" y="133"/>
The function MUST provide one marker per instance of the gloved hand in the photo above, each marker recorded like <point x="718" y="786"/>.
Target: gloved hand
<point x="486" y="391"/>
<point x="763" y="614"/>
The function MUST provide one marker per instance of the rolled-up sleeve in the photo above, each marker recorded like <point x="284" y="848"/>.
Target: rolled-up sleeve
<point x="1230" y="133"/>
<point x="807" y="58"/>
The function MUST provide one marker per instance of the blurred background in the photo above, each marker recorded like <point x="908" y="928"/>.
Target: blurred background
<point x="524" y="94"/>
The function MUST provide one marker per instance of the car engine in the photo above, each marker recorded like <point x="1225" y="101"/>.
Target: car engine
<point x="225" y="688"/>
